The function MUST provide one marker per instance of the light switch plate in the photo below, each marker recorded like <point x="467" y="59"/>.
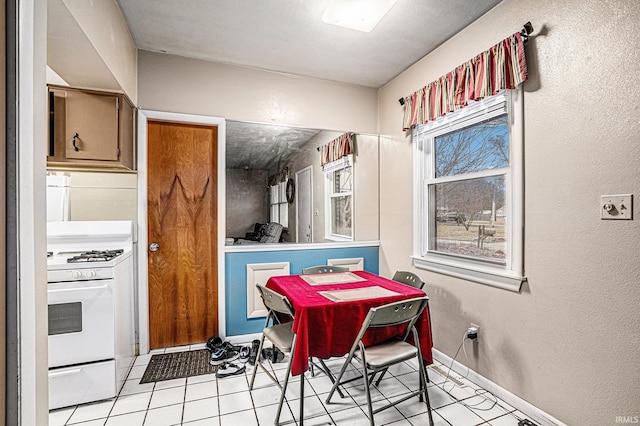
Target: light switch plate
<point x="617" y="207"/>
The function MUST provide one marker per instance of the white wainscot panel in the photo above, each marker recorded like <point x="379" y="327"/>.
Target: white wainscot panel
<point x="259" y="273"/>
<point x="353" y="263"/>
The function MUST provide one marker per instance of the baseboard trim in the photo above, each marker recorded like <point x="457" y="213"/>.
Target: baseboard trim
<point x="243" y="338"/>
<point x="533" y="412"/>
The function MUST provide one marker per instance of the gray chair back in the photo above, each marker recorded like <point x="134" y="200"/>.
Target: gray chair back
<point x="323" y="269"/>
<point x="408" y="278"/>
<point x="274" y="301"/>
<point x="395" y="313"/>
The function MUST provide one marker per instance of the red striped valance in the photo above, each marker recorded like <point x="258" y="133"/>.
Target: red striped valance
<point x="503" y="66"/>
<point x="336" y="149"/>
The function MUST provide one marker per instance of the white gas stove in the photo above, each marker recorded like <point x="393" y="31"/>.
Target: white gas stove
<point x="91" y="309"/>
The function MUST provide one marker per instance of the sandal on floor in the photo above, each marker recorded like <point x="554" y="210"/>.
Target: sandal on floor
<point x="273" y="354"/>
<point x="255" y="345"/>
<point x="245" y="352"/>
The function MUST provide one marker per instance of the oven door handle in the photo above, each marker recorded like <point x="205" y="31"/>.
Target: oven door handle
<point x="65" y="373"/>
<point x="98" y="287"/>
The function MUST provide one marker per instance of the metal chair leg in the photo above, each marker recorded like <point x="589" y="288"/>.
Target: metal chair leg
<point x="365" y="378"/>
<point x="301" y="400"/>
<point x="255" y="366"/>
<point x="286" y="382"/>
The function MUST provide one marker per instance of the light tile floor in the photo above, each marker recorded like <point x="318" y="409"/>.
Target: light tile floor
<point x="207" y="400"/>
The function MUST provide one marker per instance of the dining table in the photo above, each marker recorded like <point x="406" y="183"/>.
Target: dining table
<point x="329" y="310"/>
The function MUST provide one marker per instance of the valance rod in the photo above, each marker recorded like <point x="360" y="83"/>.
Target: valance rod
<point x="501" y="67"/>
<point x="526" y="30"/>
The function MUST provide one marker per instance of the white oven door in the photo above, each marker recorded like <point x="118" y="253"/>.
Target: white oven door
<point x="81" y="322"/>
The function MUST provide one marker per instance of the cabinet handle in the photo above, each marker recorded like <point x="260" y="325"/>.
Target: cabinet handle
<point x="75" y="138"/>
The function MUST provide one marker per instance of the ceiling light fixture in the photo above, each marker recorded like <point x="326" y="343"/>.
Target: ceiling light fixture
<point x="360" y="15"/>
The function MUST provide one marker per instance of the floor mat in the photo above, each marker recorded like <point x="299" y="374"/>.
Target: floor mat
<point x="177" y="365"/>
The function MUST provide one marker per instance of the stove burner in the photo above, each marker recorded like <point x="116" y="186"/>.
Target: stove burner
<point x="95" y="256"/>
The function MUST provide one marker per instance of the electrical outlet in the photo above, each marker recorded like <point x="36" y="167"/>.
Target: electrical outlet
<point x="472" y="331"/>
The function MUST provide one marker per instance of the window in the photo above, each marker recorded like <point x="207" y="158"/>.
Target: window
<point x="339" y="199"/>
<point x="279" y="208"/>
<point x="469" y="192"/>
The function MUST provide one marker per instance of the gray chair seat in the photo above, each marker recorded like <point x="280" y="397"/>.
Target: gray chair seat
<point x="384" y="354"/>
<point x="280" y="335"/>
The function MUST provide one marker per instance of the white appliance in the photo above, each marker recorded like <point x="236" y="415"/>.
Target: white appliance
<point x="91" y="309"/>
<point x="58" y="196"/>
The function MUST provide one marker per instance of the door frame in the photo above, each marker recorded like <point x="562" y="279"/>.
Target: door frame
<point x="310" y="170"/>
<point x="142" y="235"/>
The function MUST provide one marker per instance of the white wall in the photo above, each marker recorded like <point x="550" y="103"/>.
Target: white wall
<point x="106" y="29"/>
<point x="569" y="342"/>
<point x="176" y="84"/>
<point x="31" y="112"/>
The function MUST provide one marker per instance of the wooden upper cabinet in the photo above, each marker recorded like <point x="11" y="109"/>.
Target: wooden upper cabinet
<point x="90" y="129"/>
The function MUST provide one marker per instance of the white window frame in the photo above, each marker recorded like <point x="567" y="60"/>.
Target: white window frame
<point x="278" y="205"/>
<point x="329" y="169"/>
<point x="509" y="274"/>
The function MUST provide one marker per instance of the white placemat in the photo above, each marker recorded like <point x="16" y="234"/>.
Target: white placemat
<point x="332" y="278"/>
<point x="361" y="293"/>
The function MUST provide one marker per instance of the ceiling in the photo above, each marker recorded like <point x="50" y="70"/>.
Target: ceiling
<point x="255" y="146"/>
<point x="289" y="35"/>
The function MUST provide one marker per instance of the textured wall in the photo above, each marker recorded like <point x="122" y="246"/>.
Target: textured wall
<point x="107" y="30"/>
<point x="569" y="342"/>
<point x="103" y="196"/>
<point x="247" y="200"/>
<point x="190" y="86"/>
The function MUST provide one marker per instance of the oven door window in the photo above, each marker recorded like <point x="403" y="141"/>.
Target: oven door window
<point x="65" y="318"/>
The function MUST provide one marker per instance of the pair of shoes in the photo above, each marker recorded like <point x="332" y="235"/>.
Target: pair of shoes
<point x="223" y="354"/>
<point x="229" y="369"/>
<point x="253" y="353"/>
<point x="273" y="354"/>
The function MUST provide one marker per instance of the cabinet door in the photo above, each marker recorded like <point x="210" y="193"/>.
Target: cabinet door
<point x="91" y="130"/>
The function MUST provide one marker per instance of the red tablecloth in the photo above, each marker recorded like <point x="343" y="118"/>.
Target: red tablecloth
<point x="325" y="328"/>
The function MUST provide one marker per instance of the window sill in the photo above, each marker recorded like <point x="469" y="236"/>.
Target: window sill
<point x="337" y="238"/>
<point x="506" y="280"/>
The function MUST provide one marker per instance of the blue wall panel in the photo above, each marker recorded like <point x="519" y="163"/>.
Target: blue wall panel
<point x="236" y="277"/>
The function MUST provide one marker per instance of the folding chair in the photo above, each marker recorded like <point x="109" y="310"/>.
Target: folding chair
<point x="411" y="279"/>
<point x="381" y="356"/>
<point x="408" y="278"/>
<point x="282" y="337"/>
<point x="323" y="269"/>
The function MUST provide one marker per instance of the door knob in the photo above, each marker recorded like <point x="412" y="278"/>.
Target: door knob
<point x="154" y="247"/>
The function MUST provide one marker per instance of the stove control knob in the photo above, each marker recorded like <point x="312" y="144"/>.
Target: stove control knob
<point x="76" y="274"/>
<point x="90" y="273"/>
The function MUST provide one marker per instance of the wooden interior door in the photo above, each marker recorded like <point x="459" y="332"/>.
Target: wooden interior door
<point x="182" y="221"/>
